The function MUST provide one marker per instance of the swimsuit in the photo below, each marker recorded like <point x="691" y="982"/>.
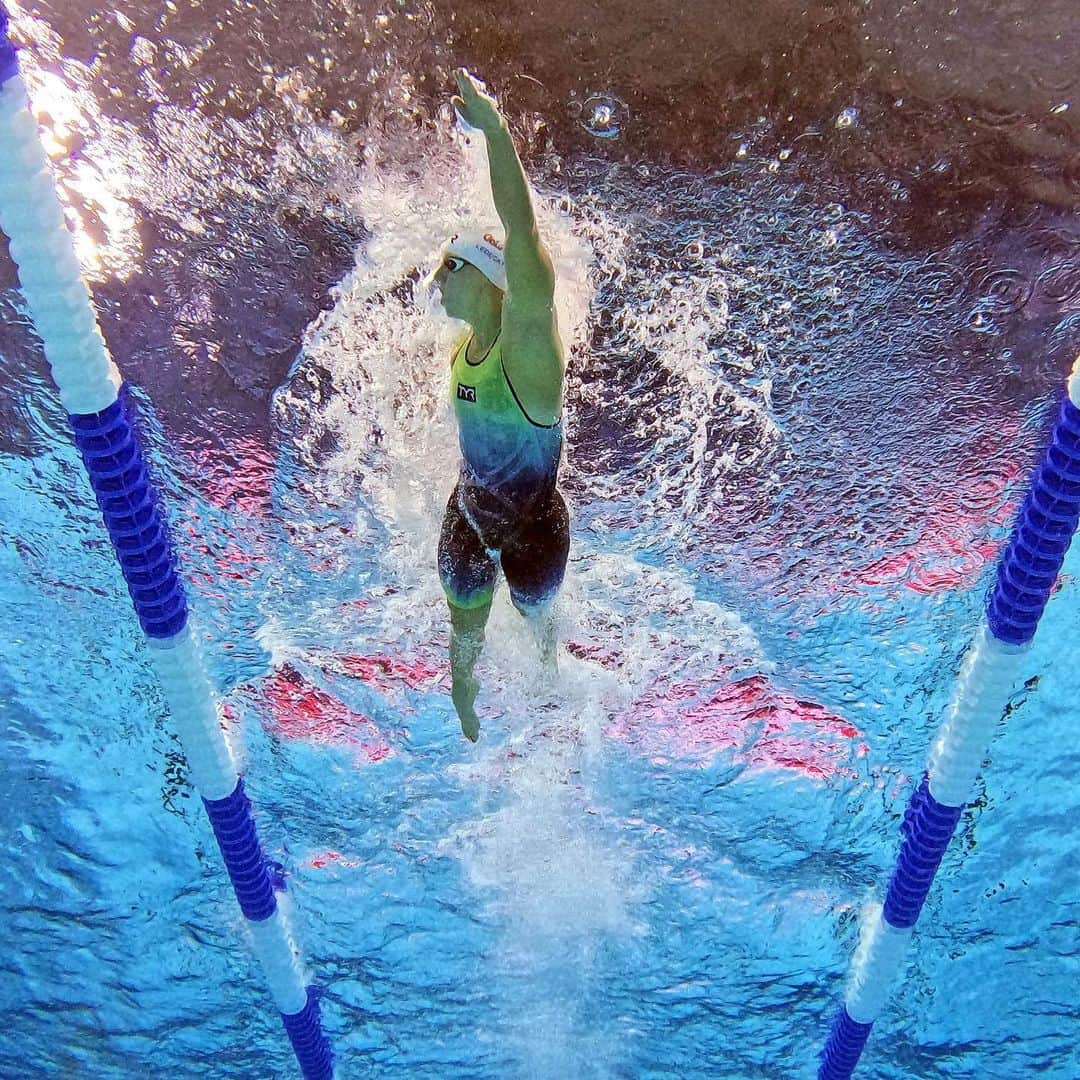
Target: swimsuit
<point x="505" y="500"/>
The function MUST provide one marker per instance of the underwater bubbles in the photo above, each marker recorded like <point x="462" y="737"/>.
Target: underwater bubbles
<point x="981" y="320"/>
<point x="936" y="285"/>
<point x="848" y="118"/>
<point x="1005" y="291"/>
<point x="604" y="115"/>
<point x="1060" y="283"/>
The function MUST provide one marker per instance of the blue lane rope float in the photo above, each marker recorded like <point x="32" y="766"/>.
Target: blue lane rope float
<point x="129" y="507"/>
<point x="99" y="410"/>
<point x="1026" y="575"/>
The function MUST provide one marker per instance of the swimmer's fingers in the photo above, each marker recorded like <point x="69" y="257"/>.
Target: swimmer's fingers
<point x="473" y="103"/>
<point x="468" y="85"/>
<point x="465" y="114"/>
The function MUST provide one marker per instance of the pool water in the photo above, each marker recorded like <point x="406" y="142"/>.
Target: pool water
<point x="804" y="391"/>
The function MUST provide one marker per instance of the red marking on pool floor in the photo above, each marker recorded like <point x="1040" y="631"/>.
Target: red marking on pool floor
<point x="235" y="476"/>
<point x="765" y="727"/>
<point x="598" y="654"/>
<point x="300" y="710"/>
<point x="387" y="672"/>
<point x="952" y="548"/>
<point x="331" y="858"/>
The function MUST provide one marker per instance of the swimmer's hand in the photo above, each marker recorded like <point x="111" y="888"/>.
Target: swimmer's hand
<point x="475" y="105"/>
<point x="463" y="694"/>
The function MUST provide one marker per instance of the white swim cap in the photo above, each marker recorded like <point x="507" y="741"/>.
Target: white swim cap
<point x="482" y="250"/>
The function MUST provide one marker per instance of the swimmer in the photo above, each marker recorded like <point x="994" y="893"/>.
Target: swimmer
<point x="506" y="380"/>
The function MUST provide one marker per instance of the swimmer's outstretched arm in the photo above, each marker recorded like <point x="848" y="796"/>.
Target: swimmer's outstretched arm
<point x="529" y="271"/>
<point x="533" y="358"/>
<point x="509" y="187"/>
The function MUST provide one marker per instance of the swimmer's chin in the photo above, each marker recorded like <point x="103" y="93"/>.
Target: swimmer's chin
<point x="441" y="311"/>
<point x="433" y="308"/>
<point x="459" y="326"/>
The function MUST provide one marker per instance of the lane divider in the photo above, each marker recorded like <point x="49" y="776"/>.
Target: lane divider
<point x="1026" y="576"/>
<point x="102" y="423"/>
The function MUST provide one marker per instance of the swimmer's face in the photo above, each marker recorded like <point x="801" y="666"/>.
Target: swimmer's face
<point x="461" y="287"/>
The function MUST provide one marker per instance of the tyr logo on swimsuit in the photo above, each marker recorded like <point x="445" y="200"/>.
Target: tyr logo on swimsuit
<point x="466" y="393"/>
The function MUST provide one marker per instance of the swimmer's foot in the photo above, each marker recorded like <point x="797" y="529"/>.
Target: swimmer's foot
<point x="470" y="727"/>
<point x="463" y="694"/>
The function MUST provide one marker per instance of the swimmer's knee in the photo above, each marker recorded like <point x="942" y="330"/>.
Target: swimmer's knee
<point x="534" y="608"/>
<point x="468" y="604"/>
<point x="469" y="587"/>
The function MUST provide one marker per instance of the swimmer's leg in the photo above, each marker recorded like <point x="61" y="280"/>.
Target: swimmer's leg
<point x="534" y="565"/>
<point x="541" y="621"/>
<point x="467" y="573"/>
<point x="466" y="643"/>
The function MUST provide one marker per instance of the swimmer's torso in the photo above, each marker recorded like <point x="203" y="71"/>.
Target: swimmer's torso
<point x="508" y="462"/>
